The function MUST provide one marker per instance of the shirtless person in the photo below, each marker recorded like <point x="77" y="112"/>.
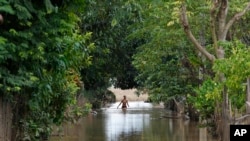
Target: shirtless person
<point x="124" y="103"/>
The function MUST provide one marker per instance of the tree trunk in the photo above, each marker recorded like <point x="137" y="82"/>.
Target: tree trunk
<point x="219" y="27"/>
<point x="225" y="116"/>
<point x="5" y="120"/>
<point x="248" y="96"/>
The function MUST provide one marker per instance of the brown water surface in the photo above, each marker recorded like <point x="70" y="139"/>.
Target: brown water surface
<point x="140" y="122"/>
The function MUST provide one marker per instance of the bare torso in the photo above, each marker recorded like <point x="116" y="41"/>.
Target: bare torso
<point x="124" y="103"/>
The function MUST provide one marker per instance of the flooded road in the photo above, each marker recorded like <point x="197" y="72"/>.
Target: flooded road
<point x="140" y="122"/>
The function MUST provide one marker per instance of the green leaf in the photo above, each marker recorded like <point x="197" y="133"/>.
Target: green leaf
<point x="49" y="6"/>
<point x="113" y="22"/>
<point x="8" y="9"/>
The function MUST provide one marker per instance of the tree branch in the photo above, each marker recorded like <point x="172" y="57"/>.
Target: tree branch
<point x="237" y="16"/>
<point x="213" y="25"/>
<point x="238" y="120"/>
<point x="223" y="10"/>
<point x="186" y="27"/>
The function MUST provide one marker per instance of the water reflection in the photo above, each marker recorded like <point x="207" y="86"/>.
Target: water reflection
<point x="140" y="122"/>
<point x="121" y="124"/>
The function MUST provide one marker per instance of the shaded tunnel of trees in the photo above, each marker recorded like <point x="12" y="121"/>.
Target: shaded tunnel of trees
<point x="53" y="52"/>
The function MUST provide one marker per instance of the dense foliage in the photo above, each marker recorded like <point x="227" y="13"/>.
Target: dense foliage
<point x="41" y="53"/>
<point x="171" y="49"/>
<point x="167" y="63"/>
<point x="236" y="71"/>
<point x="110" y="22"/>
<point x="112" y="58"/>
<point x="167" y="60"/>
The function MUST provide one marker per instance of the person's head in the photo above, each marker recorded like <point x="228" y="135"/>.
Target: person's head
<point x="124" y="96"/>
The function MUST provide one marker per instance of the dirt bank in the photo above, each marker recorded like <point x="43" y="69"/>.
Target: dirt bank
<point x="130" y="93"/>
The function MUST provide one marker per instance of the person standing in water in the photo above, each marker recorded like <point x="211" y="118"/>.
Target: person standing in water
<point x="124" y="103"/>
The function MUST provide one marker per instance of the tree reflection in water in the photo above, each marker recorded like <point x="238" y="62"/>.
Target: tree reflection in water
<point x="140" y="122"/>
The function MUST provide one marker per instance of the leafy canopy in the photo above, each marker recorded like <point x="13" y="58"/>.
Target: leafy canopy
<point x="41" y="53"/>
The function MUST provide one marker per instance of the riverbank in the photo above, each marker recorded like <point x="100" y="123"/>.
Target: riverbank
<point x="130" y="94"/>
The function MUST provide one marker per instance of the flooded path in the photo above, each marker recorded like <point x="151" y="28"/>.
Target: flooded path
<point x="140" y="122"/>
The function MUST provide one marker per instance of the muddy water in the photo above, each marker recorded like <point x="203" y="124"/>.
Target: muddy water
<point x="140" y="122"/>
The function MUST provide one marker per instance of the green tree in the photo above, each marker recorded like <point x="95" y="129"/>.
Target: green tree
<point x="110" y="22"/>
<point x="235" y="70"/>
<point x="41" y="53"/>
<point x="168" y="65"/>
<point x="162" y="21"/>
<point x="222" y="18"/>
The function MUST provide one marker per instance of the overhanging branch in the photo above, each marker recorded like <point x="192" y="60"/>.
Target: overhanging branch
<point x="237" y="16"/>
<point x="186" y="27"/>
